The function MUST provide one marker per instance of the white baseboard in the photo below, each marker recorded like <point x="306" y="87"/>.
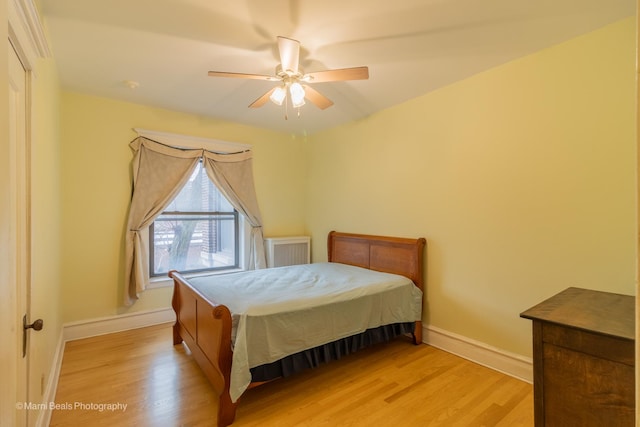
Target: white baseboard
<point x="124" y="322"/>
<point x="483" y="354"/>
<point x="44" y="416"/>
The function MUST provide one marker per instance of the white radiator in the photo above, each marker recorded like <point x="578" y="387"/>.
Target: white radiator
<point x="283" y="251"/>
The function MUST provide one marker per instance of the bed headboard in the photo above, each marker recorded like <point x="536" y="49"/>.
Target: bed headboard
<point x="396" y="255"/>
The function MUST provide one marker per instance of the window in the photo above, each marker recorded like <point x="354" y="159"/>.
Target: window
<point x="198" y="231"/>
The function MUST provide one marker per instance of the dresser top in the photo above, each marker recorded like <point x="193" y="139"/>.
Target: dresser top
<point x="600" y="312"/>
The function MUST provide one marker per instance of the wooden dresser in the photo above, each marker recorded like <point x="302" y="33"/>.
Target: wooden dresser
<point x="583" y="359"/>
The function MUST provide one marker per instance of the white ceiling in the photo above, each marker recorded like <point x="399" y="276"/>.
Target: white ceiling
<point x="411" y="47"/>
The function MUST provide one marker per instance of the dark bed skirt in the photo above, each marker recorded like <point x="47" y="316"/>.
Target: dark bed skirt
<point x="325" y="353"/>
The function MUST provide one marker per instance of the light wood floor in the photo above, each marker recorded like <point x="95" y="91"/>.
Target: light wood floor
<point x="390" y="384"/>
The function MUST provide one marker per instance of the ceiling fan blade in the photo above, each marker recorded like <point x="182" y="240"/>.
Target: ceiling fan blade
<point x="262" y="100"/>
<point x="242" y="75"/>
<point x="318" y="99"/>
<point x="289" y="54"/>
<point x="356" y="73"/>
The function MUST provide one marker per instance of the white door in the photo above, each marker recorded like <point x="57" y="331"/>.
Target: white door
<point x="18" y="214"/>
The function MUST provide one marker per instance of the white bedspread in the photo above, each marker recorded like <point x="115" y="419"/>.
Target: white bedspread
<point x="281" y="311"/>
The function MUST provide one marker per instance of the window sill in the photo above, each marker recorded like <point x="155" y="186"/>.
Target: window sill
<point x="165" y="282"/>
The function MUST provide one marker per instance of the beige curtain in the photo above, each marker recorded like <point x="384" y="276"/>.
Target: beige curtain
<point x="233" y="176"/>
<point x="159" y="173"/>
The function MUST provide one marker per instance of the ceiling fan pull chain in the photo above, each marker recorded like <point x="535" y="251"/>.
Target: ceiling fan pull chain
<point x="286" y="107"/>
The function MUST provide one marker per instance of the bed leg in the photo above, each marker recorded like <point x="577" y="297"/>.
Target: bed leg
<point x="417" y="333"/>
<point x="226" y="410"/>
<point x="177" y="339"/>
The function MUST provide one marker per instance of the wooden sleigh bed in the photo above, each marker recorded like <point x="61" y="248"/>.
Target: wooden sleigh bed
<point x="206" y="326"/>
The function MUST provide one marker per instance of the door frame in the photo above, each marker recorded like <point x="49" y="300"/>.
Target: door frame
<point x="26" y="36"/>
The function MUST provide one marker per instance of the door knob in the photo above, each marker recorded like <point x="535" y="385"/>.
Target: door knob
<point x="36" y="326"/>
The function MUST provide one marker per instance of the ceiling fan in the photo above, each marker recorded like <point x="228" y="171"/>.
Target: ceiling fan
<point x="294" y="82"/>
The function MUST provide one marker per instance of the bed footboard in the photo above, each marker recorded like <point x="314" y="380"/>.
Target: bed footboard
<point x="206" y="329"/>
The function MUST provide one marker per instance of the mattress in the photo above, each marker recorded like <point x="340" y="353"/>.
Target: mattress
<point x="277" y="312"/>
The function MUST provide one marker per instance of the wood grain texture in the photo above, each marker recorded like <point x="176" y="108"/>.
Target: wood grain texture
<point x="603" y="313"/>
<point x="395" y="255"/>
<point x="585" y="390"/>
<point x="389" y="384"/>
<point x="583" y="359"/>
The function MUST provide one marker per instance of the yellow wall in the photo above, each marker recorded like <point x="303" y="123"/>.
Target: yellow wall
<point x="522" y="179"/>
<point x="96" y="182"/>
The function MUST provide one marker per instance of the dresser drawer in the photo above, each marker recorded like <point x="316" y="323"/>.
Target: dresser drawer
<point x="584" y="390"/>
<point x="597" y="345"/>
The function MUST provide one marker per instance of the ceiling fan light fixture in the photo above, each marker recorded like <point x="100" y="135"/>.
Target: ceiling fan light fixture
<point x="297" y="94"/>
<point x="278" y="95"/>
<point x="291" y="75"/>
